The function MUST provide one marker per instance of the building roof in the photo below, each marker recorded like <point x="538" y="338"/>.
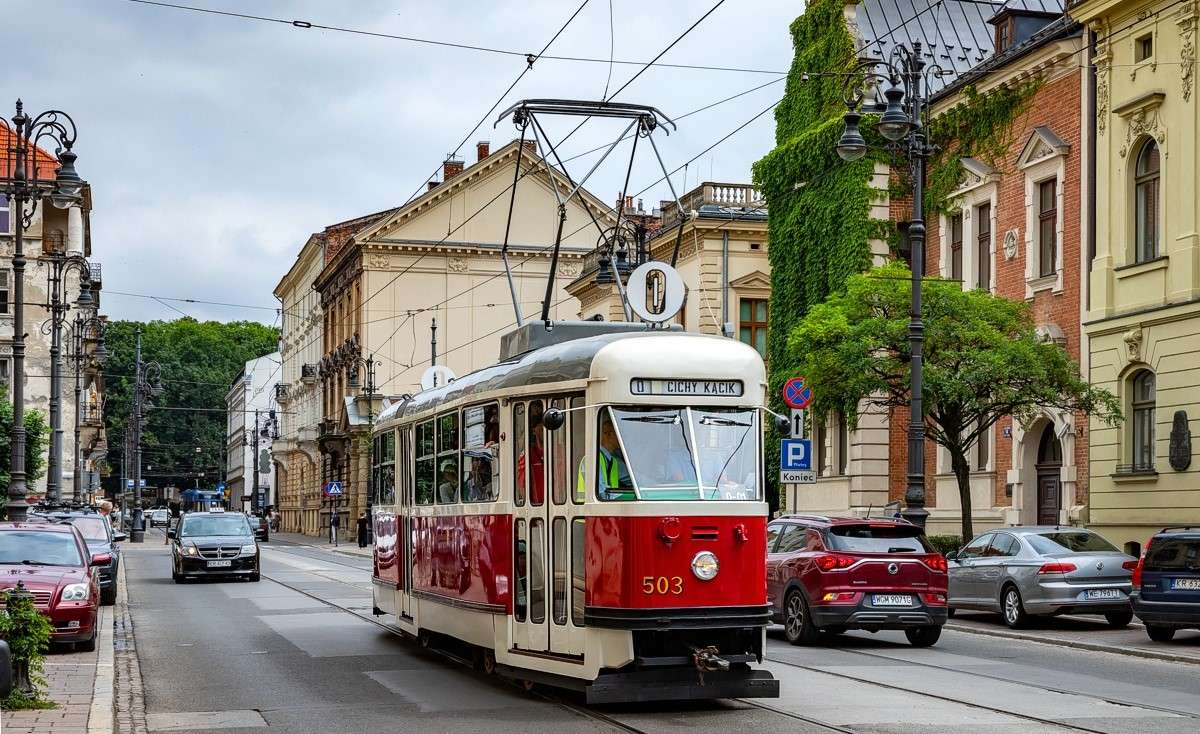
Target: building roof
<point x="47" y="164"/>
<point x="955" y="34"/>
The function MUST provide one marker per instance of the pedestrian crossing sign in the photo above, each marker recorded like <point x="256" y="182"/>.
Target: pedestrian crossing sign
<point x="333" y="489"/>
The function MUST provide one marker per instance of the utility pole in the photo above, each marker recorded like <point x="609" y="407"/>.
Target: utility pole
<point x="254" y="499"/>
<point x="136" y="534"/>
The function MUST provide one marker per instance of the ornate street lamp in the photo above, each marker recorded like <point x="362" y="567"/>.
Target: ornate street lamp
<point x="21" y="182"/>
<point x="61" y="263"/>
<point x="81" y="330"/>
<point x="901" y="122"/>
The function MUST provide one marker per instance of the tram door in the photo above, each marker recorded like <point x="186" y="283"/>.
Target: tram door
<point x="404" y="521"/>
<point x="542" y="554"/>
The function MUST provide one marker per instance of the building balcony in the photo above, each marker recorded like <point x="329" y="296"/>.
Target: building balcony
<point x="718" y="199"/>
<point x="91" y="416"/>
<point x="309" y="373"/>
<point x="281" y="392"/>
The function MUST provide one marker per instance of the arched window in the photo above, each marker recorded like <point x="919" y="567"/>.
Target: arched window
<point x="1143" y="421"/>
<point x="1145" y="202"/>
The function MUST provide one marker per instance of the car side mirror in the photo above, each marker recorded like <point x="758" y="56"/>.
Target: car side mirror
<point x="171" y="533"/>
<point x="101" y="559"/>
<point x="952" y="556"/>
<point x="118" y="536"/>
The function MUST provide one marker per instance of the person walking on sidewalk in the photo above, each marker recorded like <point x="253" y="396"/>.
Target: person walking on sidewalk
<point x="362" y="529"/>
<point x="335" y="522"/>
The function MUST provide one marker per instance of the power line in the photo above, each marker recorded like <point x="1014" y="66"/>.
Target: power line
<point x="527" y="56"/>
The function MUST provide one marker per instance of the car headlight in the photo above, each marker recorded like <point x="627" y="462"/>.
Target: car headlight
<point x="249" y="550"/>
<point x="191" y="550"/>
<point x="705" y="565"/>
<point x="75" y="592"/>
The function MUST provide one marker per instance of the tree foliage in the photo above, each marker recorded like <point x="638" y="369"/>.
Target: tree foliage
<point x="199" y="362"/>
<point x="37" y="436"/>
<point x="983" y="360"/>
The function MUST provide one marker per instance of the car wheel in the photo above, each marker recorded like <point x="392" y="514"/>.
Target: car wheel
<point x="87" y="645"/>
<point x="923" y="636"/>
<point x="1012" y="608"/>
<point x="1159" y="633"/>
<point x="255" y="576"/>
<point x="1119" y="620"/>
<point x="108" y="596"/>
<point x="177" y="578"/>
<point x="797" y="623"/>
<point x="950" y="612"/>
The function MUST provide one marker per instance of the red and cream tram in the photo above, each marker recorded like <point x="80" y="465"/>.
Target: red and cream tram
<point x="587" y="513"/>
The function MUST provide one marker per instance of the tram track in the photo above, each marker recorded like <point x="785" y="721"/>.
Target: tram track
<point x="949" y="699"/>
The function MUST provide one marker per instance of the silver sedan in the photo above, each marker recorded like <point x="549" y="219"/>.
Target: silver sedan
<point x="1027" y="571"/>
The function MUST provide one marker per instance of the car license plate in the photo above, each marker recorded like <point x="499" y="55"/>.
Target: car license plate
<point x="892" y="600"/>
<point x="220" y="564"/>
<point x="1102" y="594"/>
<point x="73" y="624"/>
<point x="1192" y="584"/>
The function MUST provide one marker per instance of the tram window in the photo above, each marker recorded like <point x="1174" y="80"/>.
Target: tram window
<point x="426" y="464"/>
<point x="534" y="456"/>
<point x="559" y="564"/>
<point x="481" y="465"/>
<point x="404" y="466"/>
<point x="518" y="416"/>
<point x="558" y="461"/>
<point x="578" y="571"/>
<point x="537" y="571"/>
<point x="447" y="459"/>
<point x="612" y="473"/>
<point x="519" y="603"/>
<point x="578" y="418"/>
<point x="385" y="477"/>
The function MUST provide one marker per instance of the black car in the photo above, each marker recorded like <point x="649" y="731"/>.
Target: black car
<point x="159" y="517"/>
<point x="215" y="543"/>
<point x="260" y="527"/>
<point x="101" y="539"/>
<point x="1166" y="584"/>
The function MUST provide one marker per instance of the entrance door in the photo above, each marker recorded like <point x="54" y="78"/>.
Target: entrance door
<point x="1049" y="473"/>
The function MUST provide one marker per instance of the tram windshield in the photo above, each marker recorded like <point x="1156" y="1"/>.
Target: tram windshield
<point x="678" y="454"/>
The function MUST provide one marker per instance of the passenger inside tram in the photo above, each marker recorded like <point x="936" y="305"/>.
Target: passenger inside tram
<point x="534" y="456"/>
<point x="448" y="488"/>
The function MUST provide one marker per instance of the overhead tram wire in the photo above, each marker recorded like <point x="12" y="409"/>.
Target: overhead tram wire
<point x="307" y="25"/>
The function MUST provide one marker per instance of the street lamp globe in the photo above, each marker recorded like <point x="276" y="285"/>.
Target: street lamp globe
<point x="894" y="124"/>
<point x="67" y="183"/>
<point x="851" y="146"/>
<point x="101" y="352"/>
<point x="85" y="299"/>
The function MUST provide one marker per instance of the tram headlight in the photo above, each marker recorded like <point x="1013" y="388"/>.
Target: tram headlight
<point x="705" y="565"/>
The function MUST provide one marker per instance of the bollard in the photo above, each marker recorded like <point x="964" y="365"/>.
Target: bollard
<point x="20" y="665"/>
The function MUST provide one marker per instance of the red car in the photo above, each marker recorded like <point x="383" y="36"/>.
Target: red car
<point x="826" y="575"/>
<point x="52" y="563"/>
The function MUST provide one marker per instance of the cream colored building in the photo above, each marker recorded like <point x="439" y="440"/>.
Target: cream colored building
<point x="1143" y="320"/>
<point x="435" y="259"/>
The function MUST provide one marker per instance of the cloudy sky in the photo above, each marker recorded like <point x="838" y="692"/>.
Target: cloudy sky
<point x="215" y="145"/>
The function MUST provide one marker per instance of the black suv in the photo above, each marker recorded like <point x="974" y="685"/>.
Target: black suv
<point x="214" y="543"/>
<point x="100" y="537"/>
<point x="1166" y="583"/>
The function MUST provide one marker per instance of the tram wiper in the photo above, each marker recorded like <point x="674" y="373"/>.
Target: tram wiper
<point x="663" y="419"/>
<point x="710" y="420"/>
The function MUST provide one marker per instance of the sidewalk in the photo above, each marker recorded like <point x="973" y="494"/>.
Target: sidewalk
<point x="81" y="683"/>
<point x="348" y="548"/>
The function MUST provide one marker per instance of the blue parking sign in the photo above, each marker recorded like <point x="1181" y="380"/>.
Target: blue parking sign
<point x="795" y="454"/>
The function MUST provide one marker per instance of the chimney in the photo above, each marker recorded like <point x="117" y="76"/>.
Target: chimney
<point x="451" y="168"/>
<point x="531" y="147"/>
<point x="640" y="207"/>
<point x="628" y="202"/>
<point x="433" y="184"/>
<point x="482" y="149"/>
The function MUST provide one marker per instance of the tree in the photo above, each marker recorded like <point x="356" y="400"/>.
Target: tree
<point x="983" y="360"/>
<point x="200" y="360"/>
<point x="37" y="434"/>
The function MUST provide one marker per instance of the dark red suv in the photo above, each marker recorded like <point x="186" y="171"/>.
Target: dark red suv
<point x="832" y="574"/>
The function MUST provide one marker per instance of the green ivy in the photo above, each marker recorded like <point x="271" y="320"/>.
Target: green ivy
<point x="27" y="632"/>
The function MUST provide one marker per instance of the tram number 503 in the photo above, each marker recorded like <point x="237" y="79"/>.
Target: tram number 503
<point x="662" y="585"/>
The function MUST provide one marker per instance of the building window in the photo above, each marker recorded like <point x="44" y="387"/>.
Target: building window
<point x="5" y="215"/>
<point x="1143" y="48"/>
<point x="983" y="451"/>
<point x="843" y="445"/>
<point x="752" y="323"/>
<point x="956" y="242"/>
<point x="1143" y="421"/>
<point x="3" y="291"/>
<point x="1004" y="34"/>
<point x="1145" y="194"/>
<point x="983" y="246"/>
<point x="1047" y="227"/>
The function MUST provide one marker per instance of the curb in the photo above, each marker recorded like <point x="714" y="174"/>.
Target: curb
<point x="100" y="716"/>
<point x="1090" y="646"/>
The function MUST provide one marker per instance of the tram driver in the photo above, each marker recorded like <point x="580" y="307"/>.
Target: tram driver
<point x="612" y="473"/>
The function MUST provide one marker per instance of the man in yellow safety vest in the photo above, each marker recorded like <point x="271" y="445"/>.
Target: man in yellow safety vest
<point x="612" y="473"/>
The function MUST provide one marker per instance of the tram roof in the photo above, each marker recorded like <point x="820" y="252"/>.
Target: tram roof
<point x="561" y="362"/>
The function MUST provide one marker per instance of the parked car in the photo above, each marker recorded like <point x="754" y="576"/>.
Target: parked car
<point x="160" y="518"/>
<point x="832" y="574"/>
<point x="214" y="543"/>
<point x="259" y="526"/>
<point x="101" y="540"/>
<point x="52" y="562"/>
<point x="1166" y="583"/>
<point x="1042" y="570"/>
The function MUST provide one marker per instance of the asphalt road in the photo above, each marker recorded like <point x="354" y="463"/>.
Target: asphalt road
<point x="298" y="652"/>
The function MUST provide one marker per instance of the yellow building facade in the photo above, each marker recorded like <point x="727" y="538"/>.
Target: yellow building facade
<point x="1142" y="311"/>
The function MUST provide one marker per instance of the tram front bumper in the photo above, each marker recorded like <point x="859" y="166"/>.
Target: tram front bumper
<point x="681" y="684"/>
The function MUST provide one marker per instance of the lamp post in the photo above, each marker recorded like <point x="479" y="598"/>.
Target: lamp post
<point x="21" y="181"/>
<point x="148" y="384"/>
<point x="901" y="123"/>
<point x="60" y="264"/>
<point x="368" y="364"/>
<point x="81" y="330"/>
